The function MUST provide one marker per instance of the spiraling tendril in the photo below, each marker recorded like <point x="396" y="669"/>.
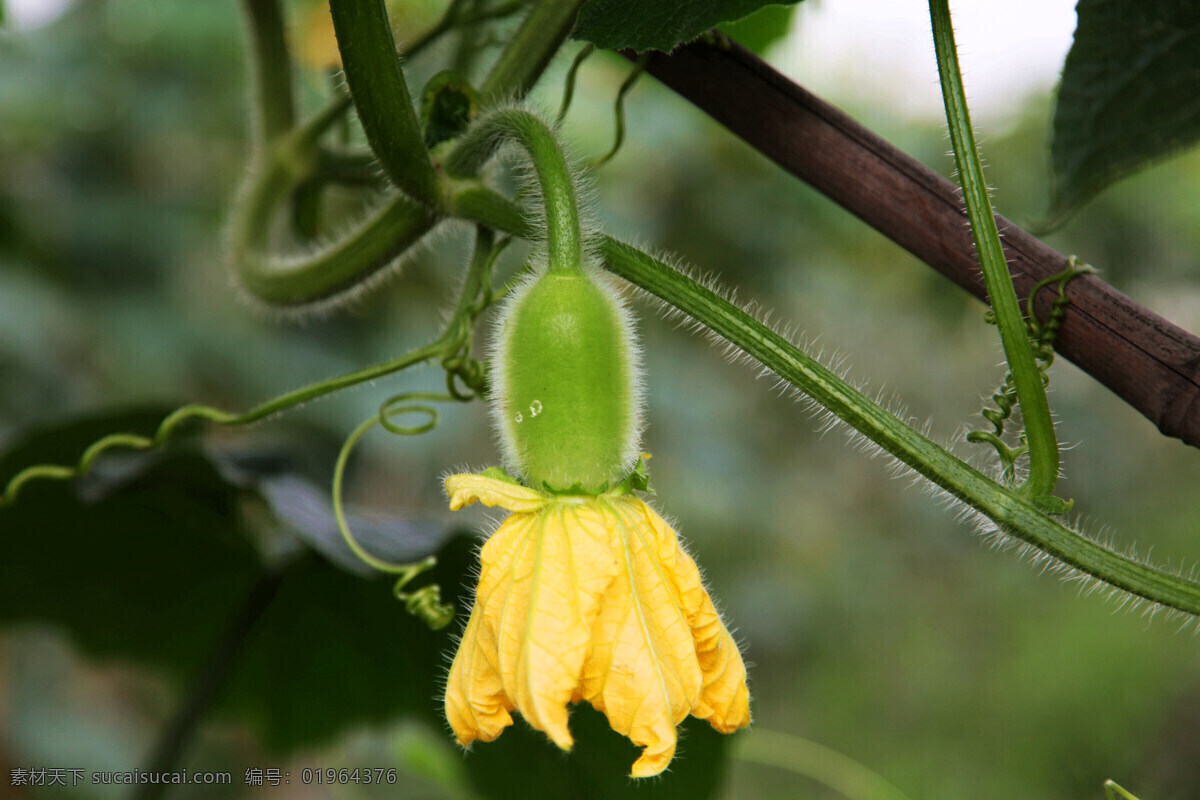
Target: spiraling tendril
<point x="1041" y="336"/>
<point x="426" y="602"/>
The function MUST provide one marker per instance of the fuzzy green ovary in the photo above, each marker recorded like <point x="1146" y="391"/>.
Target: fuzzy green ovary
<point x="569" y="401"/>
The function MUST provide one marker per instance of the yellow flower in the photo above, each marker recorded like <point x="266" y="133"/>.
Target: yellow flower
<point x="589" y="598"/>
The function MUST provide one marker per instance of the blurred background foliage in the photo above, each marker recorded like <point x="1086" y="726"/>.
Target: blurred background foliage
<point x="874" y="623"/>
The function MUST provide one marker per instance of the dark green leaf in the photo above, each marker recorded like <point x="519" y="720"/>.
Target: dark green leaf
<point x="148" y="574"/>
<point x="333" y="650"/>
<point x="656" y="24"/>
<point x="1128" y="93"/>
<point x="763" y="28"/>
<point x="598" y="766"/>
<point x="154" y="570"/>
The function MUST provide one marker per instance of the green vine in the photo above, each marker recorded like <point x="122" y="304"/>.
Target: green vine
<point x="1041" y="336"/>
<point x="1026" y="377"/>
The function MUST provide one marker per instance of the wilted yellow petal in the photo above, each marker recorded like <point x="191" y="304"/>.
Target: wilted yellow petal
<point x="466" y="489"/>
<point x="590" y="599"/>
<point x="643" y="672"/>
<point x="543" y="626"/>
<point x="725" y="698"/>
<point x="541" y="581"/>
<point x="476" y="705"/>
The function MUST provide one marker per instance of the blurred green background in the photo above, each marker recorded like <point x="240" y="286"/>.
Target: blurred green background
<point x="872" y="621"/>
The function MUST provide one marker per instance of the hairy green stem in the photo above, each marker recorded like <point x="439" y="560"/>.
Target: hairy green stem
<point x="563" y="244"/>
<point x="271" y="66"/>
<point x="284" y="281"/>
<point x="1031" y="393"/>
<point x="1008" y="508"/>
<point x="305" y="278"/>
<point x="529" y="51"/>
<point x="478" y="203"/>
<point x="374" y="245"/>
<point x="381" y="95"/>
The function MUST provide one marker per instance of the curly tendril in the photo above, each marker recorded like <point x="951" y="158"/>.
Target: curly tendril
<point x="1041" y="337"/>
<point x="424" y="603"/>
<point x="1044" y="333"/>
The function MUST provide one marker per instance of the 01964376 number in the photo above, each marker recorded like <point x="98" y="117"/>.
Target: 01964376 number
<point x="358" y="775"/>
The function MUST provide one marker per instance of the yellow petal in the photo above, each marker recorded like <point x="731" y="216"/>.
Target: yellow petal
<point x="590" y="599"/>
<point x="539" y="598"/>
<point x="465" y="489"/>
<point x="643" y="672"/>
<point x="725" y="698"/>
<point x="476" y="705"/>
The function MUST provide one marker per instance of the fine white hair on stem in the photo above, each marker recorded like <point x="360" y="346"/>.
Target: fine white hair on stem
<point x="993" y="532"/>
<point x="300" y="253"/>
<point x="510" y="155"/>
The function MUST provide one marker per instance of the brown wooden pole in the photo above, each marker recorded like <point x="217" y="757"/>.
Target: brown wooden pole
<point x="1145" y="359"/>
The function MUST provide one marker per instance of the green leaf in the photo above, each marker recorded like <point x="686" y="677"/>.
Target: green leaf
<point x="1128" y="93"/>
<point x="150" y="573"/>
<point x="153" y="570"/>
<point x="656" y="24"/>
<point x="333" y="651"/>
<point x="598" y="765"/>
<point x="761" y="29"/>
